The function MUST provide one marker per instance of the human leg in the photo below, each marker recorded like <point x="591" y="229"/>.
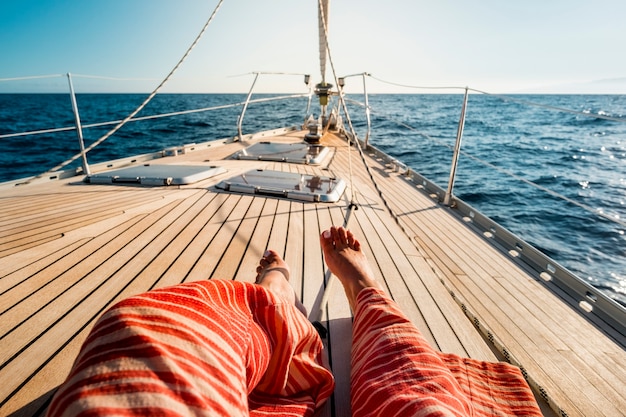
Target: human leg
<point x="180" y="350"/>
<point x="217" y="348"/>
<point x="396" y="372"/>
<point x="273" y="273"/>
<point x="345" y="258"/>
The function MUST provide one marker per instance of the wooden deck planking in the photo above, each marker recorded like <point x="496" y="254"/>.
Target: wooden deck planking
<point x="451" y="331"/>
<point x="339" y="325"/>
<point x="222" y="227"/>
<point x="240" y="239"/>
<point x="38" y="214"/>
<point x="129" y="286"/>
<point x="439" y="322"/>
<point x="166" y="268"/>
<point x="452" y="263"/>
<point x="397" y="274"/>
<point x="49" y="227"/>
<point x="475" y="269"/>
<point x="162" y="236"/>
<point x="294" y="255"/>
<point x="258" y="241"/>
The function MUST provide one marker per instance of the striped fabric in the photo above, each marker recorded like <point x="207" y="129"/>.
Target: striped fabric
<point x="396" y="373"/>
<point x="218" y="348"/>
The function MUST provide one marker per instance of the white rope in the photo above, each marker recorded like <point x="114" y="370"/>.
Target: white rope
<point x="358" y="144"/>
<point x="506" y="172"/>
<point x="547" y="106"/>
<point x="507" y="98"/>
<point x="103" y="77"/>
<point x="145" y="102"/>
<point x="415" y="86"/>
<point x="547" y="190"/>
<point x="33" y="77"/>
<point x="155" y="116"/>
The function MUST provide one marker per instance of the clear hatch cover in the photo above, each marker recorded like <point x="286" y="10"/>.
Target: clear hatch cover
<point x="286" y="184"/>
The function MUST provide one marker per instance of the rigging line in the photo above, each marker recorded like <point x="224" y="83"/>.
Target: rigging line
<point x="322" y="13"/>
<point x="155" y="116"/>
<point x="513" y="175"/>
<point x="402" y="124"/>
<point x="547" y="190"/>
<point x="266" y="73"/>
<point x="34" y="77"/>
<point x="145" y="102"/>
<point x="415" y="86"/>
<point x="509" y="98"/>
<point x="547" y="106"/>
<point x="356" y="139"/>
<point x="103" y="77"/>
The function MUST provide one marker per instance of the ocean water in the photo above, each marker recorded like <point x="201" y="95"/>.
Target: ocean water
<point x="512" y="153"/>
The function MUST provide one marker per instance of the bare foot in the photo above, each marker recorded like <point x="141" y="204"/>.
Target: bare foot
<point x="345" y="259"/>
<point x="273" y="274"/>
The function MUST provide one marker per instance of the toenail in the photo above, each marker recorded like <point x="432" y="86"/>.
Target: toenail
<point x="326" y="234"/>
<point x="267" y="253"/>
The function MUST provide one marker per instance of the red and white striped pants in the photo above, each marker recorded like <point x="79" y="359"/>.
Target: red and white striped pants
<point x="395" y="372"/>
<point x="228" y="348"/>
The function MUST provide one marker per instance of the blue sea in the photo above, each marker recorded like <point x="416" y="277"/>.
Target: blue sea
<point x="518" y="159"/>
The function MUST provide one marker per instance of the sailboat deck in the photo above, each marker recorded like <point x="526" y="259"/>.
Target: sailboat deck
<point x="70" y="250"/>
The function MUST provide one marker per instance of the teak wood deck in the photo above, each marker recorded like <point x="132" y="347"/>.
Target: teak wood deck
<point x="69" y="250"/>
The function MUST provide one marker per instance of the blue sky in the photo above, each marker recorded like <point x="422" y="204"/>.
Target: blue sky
<point x="492" y="45"/>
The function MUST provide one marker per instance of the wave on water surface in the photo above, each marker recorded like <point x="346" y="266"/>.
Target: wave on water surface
<point x="506" y="146"/>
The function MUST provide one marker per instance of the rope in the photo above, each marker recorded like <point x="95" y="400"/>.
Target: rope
<point x="547" y="106"/>
<point x="155" y="116"/>
<point x="547" y="190"/>
<point x="508" y="98"/>
<point x="142" y="105"/>
<point x="507" y="172"/>
<point x="415" y="86"/>
<point x="103" y="77"/>
<point x="356" y="140"/>
<point x="34" y="77"/>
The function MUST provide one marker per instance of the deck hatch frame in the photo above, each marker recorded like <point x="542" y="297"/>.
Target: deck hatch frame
<point x="296" y="153"/>
<point x="156" y="175"/>
<point x="290" y="185"/>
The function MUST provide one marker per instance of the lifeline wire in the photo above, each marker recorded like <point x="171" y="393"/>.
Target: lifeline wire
<point x="507" y="98"/>
<point x="507" y="172"/>
<point x="154" y="116"/>
<point x="33" y="77"/>
<point x="145" y="102"/>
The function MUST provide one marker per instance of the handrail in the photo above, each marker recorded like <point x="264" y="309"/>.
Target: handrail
<point x="589" y="300"/>
<point x="457" y="149"/>
<point x="79" y="129"/>
<point x="509" y="173"/>
<point x="245" y="106"/>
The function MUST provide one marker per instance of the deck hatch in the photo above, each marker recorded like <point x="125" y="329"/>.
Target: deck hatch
<point x="297" y="153"/>
<point x="156" y="175"/>
<point x="286" y="184"/>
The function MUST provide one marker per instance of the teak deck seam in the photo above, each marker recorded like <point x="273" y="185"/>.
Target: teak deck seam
<point x="103" y="243"/>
